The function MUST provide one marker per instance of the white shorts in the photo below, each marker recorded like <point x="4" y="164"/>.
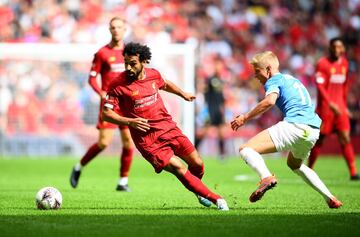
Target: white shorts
<point x="297" y="138"/>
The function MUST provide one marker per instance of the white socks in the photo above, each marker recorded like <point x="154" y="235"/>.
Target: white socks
<point x="123" y="181"/>
<point x="255" y="161"/>
<point x="78" y="167"/>
<point x="311" y="178"/>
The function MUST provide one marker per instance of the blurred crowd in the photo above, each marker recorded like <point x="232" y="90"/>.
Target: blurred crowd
<point x="225" y="33"/>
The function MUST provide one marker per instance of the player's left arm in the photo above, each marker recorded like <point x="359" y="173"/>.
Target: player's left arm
<point x="264" y="105"/>
<point x="172" y="88"/>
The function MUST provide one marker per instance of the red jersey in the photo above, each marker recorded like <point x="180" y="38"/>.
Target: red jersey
<point x="109" y="63"/>
<point x="141" y="98"/>
<point x="332" y="83"/>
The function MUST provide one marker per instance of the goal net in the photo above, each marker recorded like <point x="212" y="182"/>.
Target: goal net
<point x="47" y="107"/>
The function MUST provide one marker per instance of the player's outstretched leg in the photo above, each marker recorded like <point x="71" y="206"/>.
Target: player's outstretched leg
<point x="194" y="184"/>
<point x="197" y="169"/>
<point x="311" y="178"/>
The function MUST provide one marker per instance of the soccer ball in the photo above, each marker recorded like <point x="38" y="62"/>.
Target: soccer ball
<point x="48" y="198"/>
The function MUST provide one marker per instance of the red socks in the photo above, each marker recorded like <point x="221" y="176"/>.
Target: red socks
<point x="93" y="151"/>
<point x="198" y="171"/>
<point x="348" y="153"/>
<point x="125" y="161"/>
<point x="314" y="155"/>
<point x="195" y="185"/>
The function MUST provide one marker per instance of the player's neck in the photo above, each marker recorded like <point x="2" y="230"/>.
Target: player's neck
<point x="334" y="58"/>
<point x="116" y="44"/>
<point x="142" y="75"/>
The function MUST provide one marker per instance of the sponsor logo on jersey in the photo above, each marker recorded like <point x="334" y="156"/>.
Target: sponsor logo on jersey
<point x="146" y="101"/>
<point x="117" y="67"/>
<point x="134" y="93"/>
<point x="337" y="78"/>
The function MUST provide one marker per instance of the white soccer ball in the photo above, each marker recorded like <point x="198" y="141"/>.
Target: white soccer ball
<point x="48" y="198"/>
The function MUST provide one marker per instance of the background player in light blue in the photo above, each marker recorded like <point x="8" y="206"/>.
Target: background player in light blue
<point x="297" y="133"/>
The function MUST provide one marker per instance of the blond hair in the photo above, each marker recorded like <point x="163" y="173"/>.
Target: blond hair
<point x="264" y="59"/>
<point x="117" y="18"/>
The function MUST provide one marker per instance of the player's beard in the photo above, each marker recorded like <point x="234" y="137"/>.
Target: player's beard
<point x="135" y="75"/>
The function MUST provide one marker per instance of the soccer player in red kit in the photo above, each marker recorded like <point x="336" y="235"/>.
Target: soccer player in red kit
<point x="332" y="84"/>
<point x="109" y="63"/>
<point x="135" y="94"/>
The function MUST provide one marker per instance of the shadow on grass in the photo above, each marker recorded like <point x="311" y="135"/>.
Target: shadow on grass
<point x="219" y="224"/>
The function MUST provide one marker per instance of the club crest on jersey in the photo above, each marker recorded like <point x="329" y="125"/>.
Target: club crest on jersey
<point x="134" y="93"/>
<point x="112" y="59"/>
<point x="333" y="70"/>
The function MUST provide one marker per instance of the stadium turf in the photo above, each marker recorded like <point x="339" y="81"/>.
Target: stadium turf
<point x="160" y="206"/>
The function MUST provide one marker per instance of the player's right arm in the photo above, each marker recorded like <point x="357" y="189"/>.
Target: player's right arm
<point x="264" y="105"/>
<point x="111" y="116"/>
<point x="320" y="79"/>
<point x="94" y="72"/>
<point x="108" y="114"/>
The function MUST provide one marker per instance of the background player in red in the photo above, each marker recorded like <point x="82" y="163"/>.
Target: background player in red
<point x="332" y="84"/>
<point x="109" y="63"/>
<point x="136" y="94"/>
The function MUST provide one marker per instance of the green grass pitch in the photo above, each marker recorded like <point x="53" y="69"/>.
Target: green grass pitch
<point x="160" y="206"/>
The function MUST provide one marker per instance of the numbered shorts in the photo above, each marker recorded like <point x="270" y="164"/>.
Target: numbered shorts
<point x="297" y="138"/>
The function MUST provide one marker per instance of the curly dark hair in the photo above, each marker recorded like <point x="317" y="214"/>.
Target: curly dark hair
<point x="142" y="51"/>
<point x="333" y="40"/>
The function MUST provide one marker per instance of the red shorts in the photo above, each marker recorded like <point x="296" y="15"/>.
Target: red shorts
<point x="331" y="123"/>
<point x="161" y="149"/>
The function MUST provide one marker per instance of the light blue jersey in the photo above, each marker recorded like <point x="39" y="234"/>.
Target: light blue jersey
<point x="294" y="100"/>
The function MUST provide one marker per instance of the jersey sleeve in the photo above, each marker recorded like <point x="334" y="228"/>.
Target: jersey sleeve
<point x="94" y="72"/>
<point x="112" y="100"/>
<point x="160" y="82"/>
<point x="272" y="86"/>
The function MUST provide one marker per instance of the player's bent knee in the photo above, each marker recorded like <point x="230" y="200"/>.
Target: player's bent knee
<point x="103" y="144"/>
<point x="344" y="140"/>
<point x="198" y="164"/>
<point x="128" y="144"/>
<point x="244" y="152"/>
<point x="242" y="146"/>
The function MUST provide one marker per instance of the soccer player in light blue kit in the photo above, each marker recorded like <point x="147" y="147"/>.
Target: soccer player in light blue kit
<point x="297" y="133"/>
